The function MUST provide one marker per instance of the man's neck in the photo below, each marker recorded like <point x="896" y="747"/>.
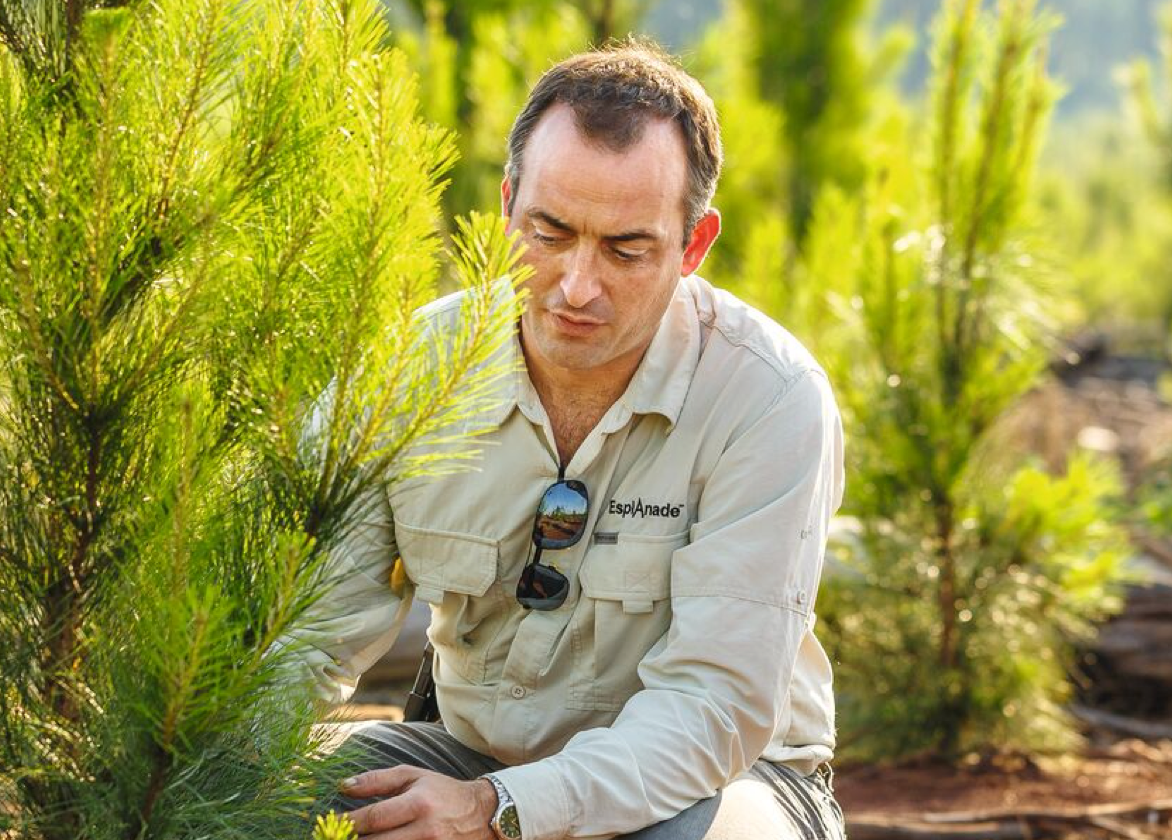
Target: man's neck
<point x="575" y="400"/>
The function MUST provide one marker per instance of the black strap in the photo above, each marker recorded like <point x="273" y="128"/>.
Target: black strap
<point x="421" y="703"/>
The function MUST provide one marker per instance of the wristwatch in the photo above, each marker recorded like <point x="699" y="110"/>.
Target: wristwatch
<point x="505" y="824"/>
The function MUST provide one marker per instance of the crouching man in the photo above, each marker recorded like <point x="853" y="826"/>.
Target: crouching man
<point x="622" y="591"/>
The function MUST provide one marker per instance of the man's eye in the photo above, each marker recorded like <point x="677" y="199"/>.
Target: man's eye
<point x="544" y="239"/>
<point x="628" y="256"/>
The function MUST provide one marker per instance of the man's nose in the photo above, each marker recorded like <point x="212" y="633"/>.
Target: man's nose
<point x="580" y="283"/>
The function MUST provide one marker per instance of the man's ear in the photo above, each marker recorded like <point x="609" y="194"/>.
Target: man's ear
<point x="506" y="196"/>
<point x="703" y="235"/>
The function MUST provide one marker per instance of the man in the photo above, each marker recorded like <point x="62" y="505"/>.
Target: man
<point x="622" y="590"/>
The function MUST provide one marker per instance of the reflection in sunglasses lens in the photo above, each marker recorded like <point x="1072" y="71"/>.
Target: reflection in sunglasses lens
<point x="562" y="513"/>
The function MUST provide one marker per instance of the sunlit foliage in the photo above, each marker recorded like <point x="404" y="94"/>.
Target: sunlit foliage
<point x="965" y="576"/>
<point x="211" y="211"/>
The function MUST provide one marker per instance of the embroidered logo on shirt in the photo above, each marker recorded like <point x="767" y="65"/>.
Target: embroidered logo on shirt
<point x="642" y="509"/>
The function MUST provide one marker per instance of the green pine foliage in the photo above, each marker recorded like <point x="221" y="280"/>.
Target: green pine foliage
<point x="798" y="103"/>
<point x="478" y="61"/>
<point x="808" y="60"/>
<point x="1145" y="229"/>
<point x="506" y="50"/>
<point x="1155" y="118"/>
<point x="210" y="214"/>
<point x="1106" y="206"/>
<point x="1154" y="497"/>
<point x="753" y="255"/>
<point x="966" y="576"/>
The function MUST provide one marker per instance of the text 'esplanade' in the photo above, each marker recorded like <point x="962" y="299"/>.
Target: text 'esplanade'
<point x="644" y="509"/>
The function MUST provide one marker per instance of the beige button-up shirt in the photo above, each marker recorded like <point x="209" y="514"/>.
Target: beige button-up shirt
<point x="685" y="650"/>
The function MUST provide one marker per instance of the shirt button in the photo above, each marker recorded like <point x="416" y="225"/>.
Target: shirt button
<point x="517" y="691"/>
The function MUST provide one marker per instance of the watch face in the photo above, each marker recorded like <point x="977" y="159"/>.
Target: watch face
<point x="509" y="822"/>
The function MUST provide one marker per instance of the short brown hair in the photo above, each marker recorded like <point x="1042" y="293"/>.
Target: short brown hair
<point x="613" y="91"/>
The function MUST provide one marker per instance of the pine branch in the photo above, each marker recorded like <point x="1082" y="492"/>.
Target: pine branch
<point x="992" y="126"/>
<point x="154" y="413"/>
<point x="949" y="116"/>
<point x="179" y="694"/>
<point x="10" y="34"/>
<point x="190" y="105"/>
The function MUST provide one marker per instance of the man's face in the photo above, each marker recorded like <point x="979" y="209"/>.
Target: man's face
<point x="603" y="236"/>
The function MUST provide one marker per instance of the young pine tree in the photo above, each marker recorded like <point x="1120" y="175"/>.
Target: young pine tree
<point x="796" y="99"/>
<point x="477" y="61"/>
<point x="1156" y="123"/>
<point x="210" y="213"/>
<point x="970" y="574"/>
<point x="807" y="59"/>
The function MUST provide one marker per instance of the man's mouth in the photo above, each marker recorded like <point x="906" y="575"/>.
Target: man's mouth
<point x="574" y="324"/>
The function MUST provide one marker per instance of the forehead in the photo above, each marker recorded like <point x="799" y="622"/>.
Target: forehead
<point x="585" y="182"/>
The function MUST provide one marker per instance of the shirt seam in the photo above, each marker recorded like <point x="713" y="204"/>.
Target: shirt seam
<point x="737" y="595"/>
<point x="788" y="374"/>
<point x="458" y="536"/>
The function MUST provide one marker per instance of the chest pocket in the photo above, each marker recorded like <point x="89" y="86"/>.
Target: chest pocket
<point x="624" y="610"/>
<point x="457" y="575"/>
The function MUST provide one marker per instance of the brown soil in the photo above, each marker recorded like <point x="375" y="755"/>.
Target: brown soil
<point x="1126" y="772"/>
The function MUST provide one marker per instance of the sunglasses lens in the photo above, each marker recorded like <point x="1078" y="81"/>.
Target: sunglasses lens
<point x="542" y="588"/>
<point x="561" y="516"/>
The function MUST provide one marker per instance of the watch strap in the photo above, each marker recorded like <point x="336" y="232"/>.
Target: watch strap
<point x="505" y="822"/>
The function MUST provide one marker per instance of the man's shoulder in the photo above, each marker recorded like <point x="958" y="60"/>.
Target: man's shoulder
<point x="756" y="342"/>
<point x="443" y="312"/>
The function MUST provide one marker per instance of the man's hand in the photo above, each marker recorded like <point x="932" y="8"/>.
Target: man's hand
<point x="421" y="805"/>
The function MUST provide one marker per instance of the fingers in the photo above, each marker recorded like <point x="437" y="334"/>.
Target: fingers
<point x="388" y="813"/>
<point x="417" y="804"/>
<point x="384" y="782"/>
<point x="385" y="815"/>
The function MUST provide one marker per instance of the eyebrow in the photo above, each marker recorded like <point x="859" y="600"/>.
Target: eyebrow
<point x="551" y="220"/>
<point x="565" y="227"/>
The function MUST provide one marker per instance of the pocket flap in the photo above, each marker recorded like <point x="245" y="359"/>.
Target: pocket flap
<point x="636" y="570"/>
<point x="445" y="561"/>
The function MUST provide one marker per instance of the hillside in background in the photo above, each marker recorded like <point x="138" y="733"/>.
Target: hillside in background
<point x="1095" y="38"/>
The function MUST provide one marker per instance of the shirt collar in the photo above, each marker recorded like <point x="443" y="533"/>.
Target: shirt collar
<point x="661" y="382"/>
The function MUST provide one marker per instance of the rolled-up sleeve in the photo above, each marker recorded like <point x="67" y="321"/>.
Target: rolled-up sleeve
<point x="715" y="688"/>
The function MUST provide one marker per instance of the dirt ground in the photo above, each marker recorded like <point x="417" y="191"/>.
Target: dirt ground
<point x="1012" y="792"/>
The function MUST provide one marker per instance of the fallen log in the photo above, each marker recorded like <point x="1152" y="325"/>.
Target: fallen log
<point x="1009" y="823"/>
<point x="871" y="828"/>
<point x="1110" y="809"/>
<point x="1123" y="724"/>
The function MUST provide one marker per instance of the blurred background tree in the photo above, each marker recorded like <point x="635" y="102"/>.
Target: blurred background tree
<point x="477" y="61"/>
<point x="211" y="212"/>
<point x="968" y="576"/>
<point x="807" y="60"/>
<point x="1150" y="104"/>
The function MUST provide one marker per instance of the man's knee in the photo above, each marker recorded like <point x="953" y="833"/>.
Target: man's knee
<point x="770" y="802"/>
<point x="690" y="824"/>
<point x="376" y="745"/>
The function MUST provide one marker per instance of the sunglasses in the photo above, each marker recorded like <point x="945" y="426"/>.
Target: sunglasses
<point x="560" y="523"/>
